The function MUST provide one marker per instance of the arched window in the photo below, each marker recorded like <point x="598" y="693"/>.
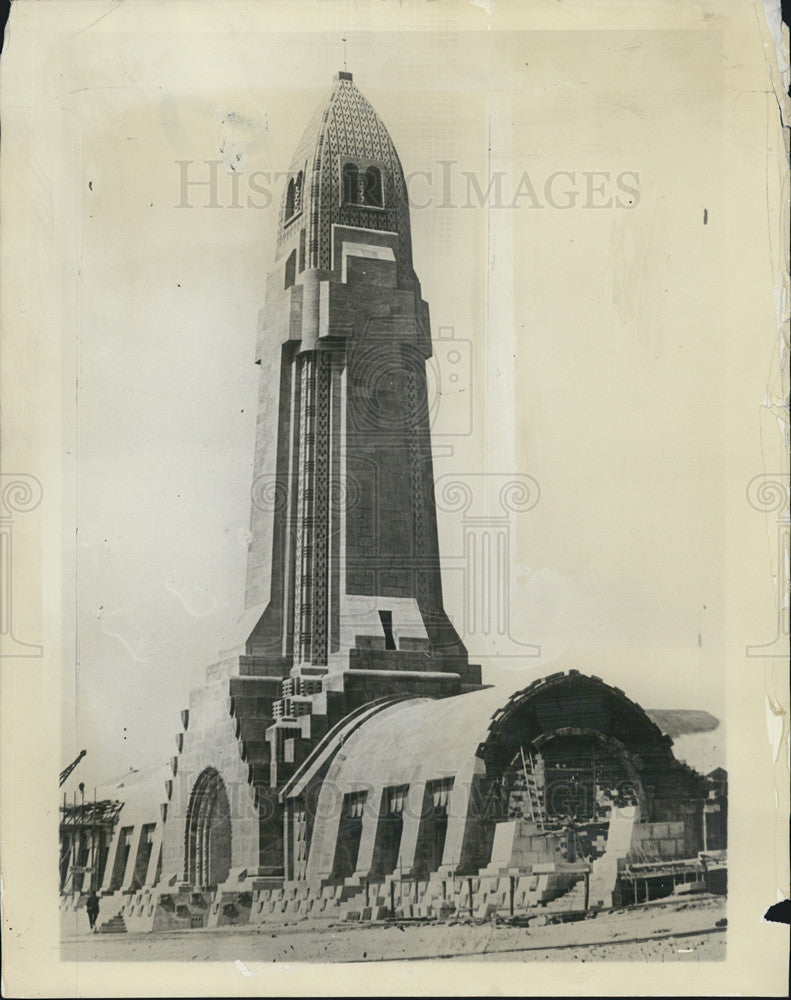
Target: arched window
<point x="350" y="184"/>
<point x="291" y="269"/>
<point x="372" y="192"/>
<point x="290" y="196"/>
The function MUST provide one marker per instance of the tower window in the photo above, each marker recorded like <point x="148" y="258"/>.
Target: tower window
<point x="298" y="193"/>
<point x="350" y="184"/>
<point x="290" y="198"/>
<point x="386" y="618"/>
<point x="291" y="270"/>
<point x="294" y="197"/>
<point x="362" y="185"/>
<point x="372" y="192"/>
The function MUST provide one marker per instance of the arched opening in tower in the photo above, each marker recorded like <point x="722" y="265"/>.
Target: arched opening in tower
<point x="372" y="192"/>
<point x="350" y="184"/>
<point x="290" y="198"/>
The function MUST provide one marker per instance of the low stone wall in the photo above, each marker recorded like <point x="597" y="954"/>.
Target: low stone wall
<point x="154" y="910"/>
<point x="435" y="897"/>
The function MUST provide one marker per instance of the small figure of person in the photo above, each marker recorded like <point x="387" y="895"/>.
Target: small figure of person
<point x="92" y="909"/>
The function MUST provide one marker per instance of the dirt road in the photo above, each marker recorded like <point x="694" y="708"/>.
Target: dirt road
<point x="674" y="931"/>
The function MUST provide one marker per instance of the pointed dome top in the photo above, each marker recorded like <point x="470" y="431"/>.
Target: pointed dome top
<point x="345" y="171"/>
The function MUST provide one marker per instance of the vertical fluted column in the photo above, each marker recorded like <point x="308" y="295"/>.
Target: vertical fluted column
<point x="312" y="515"/>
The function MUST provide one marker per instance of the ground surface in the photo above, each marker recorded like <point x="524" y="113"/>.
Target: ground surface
<point x="661" y="931"/>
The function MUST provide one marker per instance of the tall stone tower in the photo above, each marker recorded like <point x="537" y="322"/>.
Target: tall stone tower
<point x="344" y="533"/>
<point x="343" y="552"/>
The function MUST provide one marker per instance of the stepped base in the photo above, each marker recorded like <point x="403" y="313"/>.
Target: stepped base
<point x="116" y="925"/>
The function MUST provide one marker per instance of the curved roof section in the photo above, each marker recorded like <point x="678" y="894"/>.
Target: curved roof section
<point x="420" y="738"/>
<point x="424" y="739"/>
<point x="344" y="128"/>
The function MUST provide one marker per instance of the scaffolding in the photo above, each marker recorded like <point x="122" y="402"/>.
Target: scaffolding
<point x="85" y="832"/>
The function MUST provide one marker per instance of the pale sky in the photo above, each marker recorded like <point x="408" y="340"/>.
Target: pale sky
<point x="618" y="355"/>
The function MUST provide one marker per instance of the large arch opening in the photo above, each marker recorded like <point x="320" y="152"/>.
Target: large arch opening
<point x="208" y="835"/>
<point x="570" y="753"/>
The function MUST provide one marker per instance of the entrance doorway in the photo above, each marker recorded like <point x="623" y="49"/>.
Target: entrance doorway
<point x="208" y="855"/>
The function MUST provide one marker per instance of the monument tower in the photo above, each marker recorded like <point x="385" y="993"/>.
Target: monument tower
<point x="344" y="493"/>
<point x="343" y="555"/>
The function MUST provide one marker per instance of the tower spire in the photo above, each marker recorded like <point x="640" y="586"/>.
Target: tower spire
<point x="345" y="68"/>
